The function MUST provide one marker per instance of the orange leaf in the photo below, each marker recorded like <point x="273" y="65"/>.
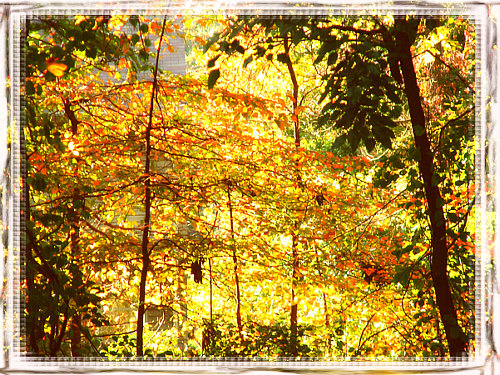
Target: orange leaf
<point x="154" y="26"/>
<point x="55" y="68"/>
<point x="123" y="63"/>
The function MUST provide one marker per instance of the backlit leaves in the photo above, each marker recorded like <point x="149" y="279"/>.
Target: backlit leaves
<point x="355" y="216"/>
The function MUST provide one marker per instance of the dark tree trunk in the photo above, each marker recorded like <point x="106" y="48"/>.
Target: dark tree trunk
<point x="76" y="204"/>
<point x="33" y="311"/>
<point x="147" y="211"/>
<point x="76" y="339"/>
<point x="142" y="285"/>
<point x="235" y="264"/>
<point x="294" y="307"/>
<point x="295" y="240"/>
<point x="454" y="333"/>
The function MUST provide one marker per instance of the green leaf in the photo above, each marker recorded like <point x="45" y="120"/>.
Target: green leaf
<point x="402" y="276"/>
<point x="339" y="141"/>
<point x="323" y="95"/>
<point x="322" y="120"/>
<point x="369" y="144"/>
<point x="235" y="31"/>
<point x="354" y="138"/>
<point x="283" y="58"/>
<point x="392" y="95"/>
<point x="46" y="131"/>
<point x="211" y="62"/>
<point x="297" y="36"/>
<point x="383" y="135"/>
<point x="134" y="20"/>
<point x="236" y="46"/>
<point x="53" y="218"/>
<point x="323" y="50"/>
<point x="213" y="77"/>
<point x="78" y="203"/>
<point x="144" y="28"/>
<point x="348" y="117"/>
<point x="211" y="41"/>
<point x="223" y="46"/>
<point x="30" y="88"/>
<point x="143" y="55"/>
<point x="39" y="183"/>
<point x="247" y="61"/>
<point x="332" y="58"/>
<point x="260" y="51"/>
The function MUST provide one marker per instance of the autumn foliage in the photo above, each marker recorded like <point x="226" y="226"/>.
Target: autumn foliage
<point x="245" y="221"/>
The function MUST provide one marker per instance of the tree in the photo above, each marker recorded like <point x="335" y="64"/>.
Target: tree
<point x="364" y="104"/>
<point x="60" y="62"/>
<point x="147" y="204"/>
<point x="53" y="49"/>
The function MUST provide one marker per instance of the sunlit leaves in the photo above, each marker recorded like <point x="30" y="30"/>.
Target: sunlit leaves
<point x="356" y="217"/>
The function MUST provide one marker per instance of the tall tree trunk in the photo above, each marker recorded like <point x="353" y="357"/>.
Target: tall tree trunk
<point x="76" y="205"/>
<point x="57" y="334"/>
<point x="31" y="265"/>
<point x="33" y="310"/>
<point x="454" y="333"/>
<point x="325" y="296"/>
<point x="76" y="338"/>
<point x="235" y="263"/>
<point x="295" y="239"/>
<point x="294" y="302"/>
<point x="147" y="210"/>
<point x="211" y="293"/>
<point x="27" y="246"/>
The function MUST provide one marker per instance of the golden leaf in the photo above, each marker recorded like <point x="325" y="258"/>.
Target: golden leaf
<point x="56" y="69"/>
<point x="79" y="19"/>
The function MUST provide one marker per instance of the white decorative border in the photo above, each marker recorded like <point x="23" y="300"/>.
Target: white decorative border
<point x="487" y="288"/>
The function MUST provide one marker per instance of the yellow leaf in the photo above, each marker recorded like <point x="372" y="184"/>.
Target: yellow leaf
<point x="116" y="22"/>
<point x="79" y="19"/>
<point x="56" y="69"/>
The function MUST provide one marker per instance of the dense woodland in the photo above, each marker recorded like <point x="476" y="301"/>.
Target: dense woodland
<point x="305" y="190"/>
